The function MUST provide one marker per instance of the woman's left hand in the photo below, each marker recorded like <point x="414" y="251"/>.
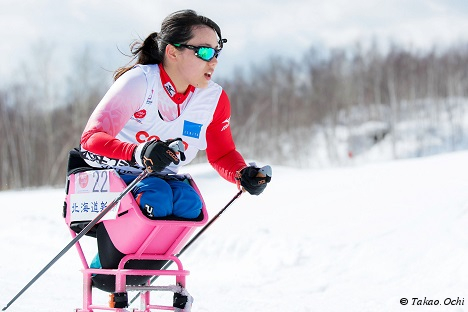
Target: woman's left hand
<point x="254" y="180"/>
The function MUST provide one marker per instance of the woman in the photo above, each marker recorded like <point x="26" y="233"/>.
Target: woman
<point x="168" y="97"/>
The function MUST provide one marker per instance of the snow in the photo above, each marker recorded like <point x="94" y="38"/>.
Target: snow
<point x="348" y="239"/>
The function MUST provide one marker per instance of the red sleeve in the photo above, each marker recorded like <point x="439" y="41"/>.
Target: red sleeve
<point x="221" y="150"/>
<point x="106" y="145"/>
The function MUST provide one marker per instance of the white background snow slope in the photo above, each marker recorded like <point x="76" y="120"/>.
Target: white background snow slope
<point x="352" y="239"/>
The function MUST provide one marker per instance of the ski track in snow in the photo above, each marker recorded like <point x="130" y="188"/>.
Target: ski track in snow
<point x="347" y="239"/>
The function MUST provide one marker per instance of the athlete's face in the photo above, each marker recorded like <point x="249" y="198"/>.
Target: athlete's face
<point x="193" y="70"/>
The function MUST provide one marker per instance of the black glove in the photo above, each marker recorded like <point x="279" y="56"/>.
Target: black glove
<point x="156" y="155"/>
<point x="251" y="182"/>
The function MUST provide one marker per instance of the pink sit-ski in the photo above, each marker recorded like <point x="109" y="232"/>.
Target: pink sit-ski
<point x="132" y="237"/>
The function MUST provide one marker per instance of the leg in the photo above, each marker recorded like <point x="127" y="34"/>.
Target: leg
<point x="110" y="259"/>
<point x="186" y="202"/>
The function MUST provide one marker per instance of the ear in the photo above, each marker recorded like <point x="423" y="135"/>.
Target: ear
<point x="171" y="52"/>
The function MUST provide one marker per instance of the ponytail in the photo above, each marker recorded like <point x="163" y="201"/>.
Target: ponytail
<point x="146" y="52"/>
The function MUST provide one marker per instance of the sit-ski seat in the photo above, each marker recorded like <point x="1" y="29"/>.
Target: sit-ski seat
<point x="126" y="238"/>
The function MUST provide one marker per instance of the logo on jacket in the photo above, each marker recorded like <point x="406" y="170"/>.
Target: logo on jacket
<point x="170" y="89"/>
<point x="226" y="122"/>
<point x="140" y="114"/>
<point x="149" y="100"/>
<point x="192" y="129"/>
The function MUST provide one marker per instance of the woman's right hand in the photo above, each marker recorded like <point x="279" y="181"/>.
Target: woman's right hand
<point x="156" y="155"/>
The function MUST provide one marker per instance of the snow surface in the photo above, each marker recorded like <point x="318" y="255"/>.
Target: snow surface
<point x="348" y="239"/>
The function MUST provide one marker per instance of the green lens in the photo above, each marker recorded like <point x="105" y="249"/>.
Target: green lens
<point x="206" y="53"/>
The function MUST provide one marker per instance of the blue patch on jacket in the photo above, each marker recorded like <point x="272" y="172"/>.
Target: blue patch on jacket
<point x="192" y="129"/>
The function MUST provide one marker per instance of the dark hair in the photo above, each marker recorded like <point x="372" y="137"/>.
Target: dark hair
<point x="175" y="28"/>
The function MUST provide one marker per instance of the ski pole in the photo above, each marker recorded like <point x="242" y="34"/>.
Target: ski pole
<point x="192" y="240"/>
<point x="140" y="177"/>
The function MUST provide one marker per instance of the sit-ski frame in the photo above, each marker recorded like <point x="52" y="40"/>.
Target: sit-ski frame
<point x="120" y="280"/>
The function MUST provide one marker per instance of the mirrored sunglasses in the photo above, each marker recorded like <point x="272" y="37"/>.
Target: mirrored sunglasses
<point x="204" y="53"/>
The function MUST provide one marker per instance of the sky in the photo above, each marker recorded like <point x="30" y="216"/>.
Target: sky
<point x="255" y="29"/>
<point x="356" y="239"/>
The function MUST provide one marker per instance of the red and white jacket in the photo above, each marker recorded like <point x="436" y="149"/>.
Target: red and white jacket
<point x="143" y="105"/>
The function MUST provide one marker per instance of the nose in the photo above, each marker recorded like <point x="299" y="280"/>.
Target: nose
<point x="213" y="62"/>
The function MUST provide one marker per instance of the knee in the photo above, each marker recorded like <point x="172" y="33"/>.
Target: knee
<point x="154" y="196"/>
<point x="187" y="203"/>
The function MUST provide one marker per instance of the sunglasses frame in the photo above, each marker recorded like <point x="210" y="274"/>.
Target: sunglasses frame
<point x="197" y="48"/>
